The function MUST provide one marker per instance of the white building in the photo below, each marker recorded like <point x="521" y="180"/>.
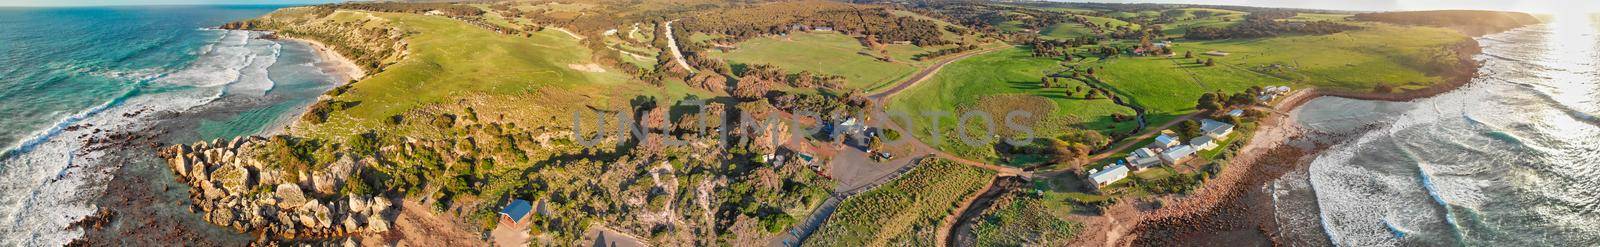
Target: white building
<point x="1216" y="129"/>
<point x="1111" y="174"/>
<point x="1165" y="141"/>
<point x="1177" y="155"/>
<point x="1146" y="162"/>
<point x="1203" y="143"/>
<point x="1143" y="153"/>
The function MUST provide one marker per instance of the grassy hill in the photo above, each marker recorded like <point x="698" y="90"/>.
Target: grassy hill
<point x="449" y="60"/>
<point x="996" y="82"/>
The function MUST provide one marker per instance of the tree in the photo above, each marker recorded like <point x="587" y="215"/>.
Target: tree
<point x="1241" y="99"/>
<point x="1209" y="101"/>
<point x="1189" y="129"/>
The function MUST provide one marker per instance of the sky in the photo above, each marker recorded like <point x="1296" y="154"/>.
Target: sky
<point x="1542" y="6"/>
<point x="37" y="3"/>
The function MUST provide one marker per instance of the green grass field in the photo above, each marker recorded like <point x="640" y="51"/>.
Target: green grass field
<point x="451" y="60"/>
<point x="1352" y="61"/>
<point x="1006" y="75"/>
<point x="905" y="211"/>
<point x="1317" y="17"/>
<point x="826" y="53"/>
<point x="1188" y="20"/>
<point x="1066" y="30"/>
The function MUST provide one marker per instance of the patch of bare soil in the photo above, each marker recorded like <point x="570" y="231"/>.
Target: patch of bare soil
<point x="416" y="225"/>
<point x="588" y="67"/>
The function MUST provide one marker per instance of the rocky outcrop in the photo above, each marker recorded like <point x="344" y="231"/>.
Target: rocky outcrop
<point x="234" y="189"/>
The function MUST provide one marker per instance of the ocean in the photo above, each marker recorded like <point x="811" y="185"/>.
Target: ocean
<point x="85" y="92"/>
<point x="1511" y="159"/>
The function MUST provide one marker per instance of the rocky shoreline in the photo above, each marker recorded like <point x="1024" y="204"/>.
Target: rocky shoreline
<point x="235" y="190"/>
<point x="1233" y="209"/>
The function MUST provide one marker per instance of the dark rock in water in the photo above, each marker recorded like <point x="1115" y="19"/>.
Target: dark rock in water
<point x="97" y="221"/>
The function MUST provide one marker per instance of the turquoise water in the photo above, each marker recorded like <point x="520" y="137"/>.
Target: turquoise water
<point x="70" y="77"/>
<point x="1508" y="160"/>
<point x="62" y="61"/>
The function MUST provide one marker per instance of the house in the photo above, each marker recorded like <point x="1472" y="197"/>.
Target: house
<point x="514" y="212"/>
<point x="1109" y="175"/>
<point x="1177" y="155"/>
<point x="1264" y="98"/>
<point x="1236" y="113"/>
<point x="1143" y="153"/>
<point x="822" y="29"/>
<point x="1215" y="129"/>
<point x="1203" y="143"/>
<point x="1146" y="162"/>
<point x="1164" y="141"/>
<point x="851" y="127"/>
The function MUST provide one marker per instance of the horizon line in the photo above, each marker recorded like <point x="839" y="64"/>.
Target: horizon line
<point x="2" y="5"/>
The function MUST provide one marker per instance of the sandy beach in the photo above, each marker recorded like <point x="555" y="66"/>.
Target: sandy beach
<point x="328" y="61"/>
<point x="340" y="65"/>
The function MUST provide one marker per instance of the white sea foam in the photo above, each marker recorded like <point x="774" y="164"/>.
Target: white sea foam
<point x="220" y="66"/>
<point x="1504" y="161"/>
<point x="51" y="179"/>
<point x="253" y="78"/>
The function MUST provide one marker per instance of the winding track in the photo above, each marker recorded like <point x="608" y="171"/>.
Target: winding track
<point x="881" y="98"/>
<point x="672" y="44"/>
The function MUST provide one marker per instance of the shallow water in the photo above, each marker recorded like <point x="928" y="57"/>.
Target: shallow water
<point x="75" y="74"/>
<point x="1508" y="160"/>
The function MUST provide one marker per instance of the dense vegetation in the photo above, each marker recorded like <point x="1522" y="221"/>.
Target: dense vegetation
<point x="1258" y="25"/>
<point x="905" y="211"/>
<point x="1021" y="219"/>
<point x="1473" y="22"/>
<point x="784" y="17"/>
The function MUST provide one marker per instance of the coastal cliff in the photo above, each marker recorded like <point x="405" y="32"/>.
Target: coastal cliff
<point x="235" y="189"/>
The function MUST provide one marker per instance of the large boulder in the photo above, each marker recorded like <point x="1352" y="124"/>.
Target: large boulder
<point x="379" y="205"/>
<point x="350" y="223"/>
<point x="290" y="196"/>
<point x="358" y="204"/>
<point x="181" y="163"/>
<point x="376" y="223"/>
<point x="321" y="216"/>
<point x="197" y="169"/>
<point x="323" y="183"/>
<point x="212" y="190"/>
<point x="232" y="178"/>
